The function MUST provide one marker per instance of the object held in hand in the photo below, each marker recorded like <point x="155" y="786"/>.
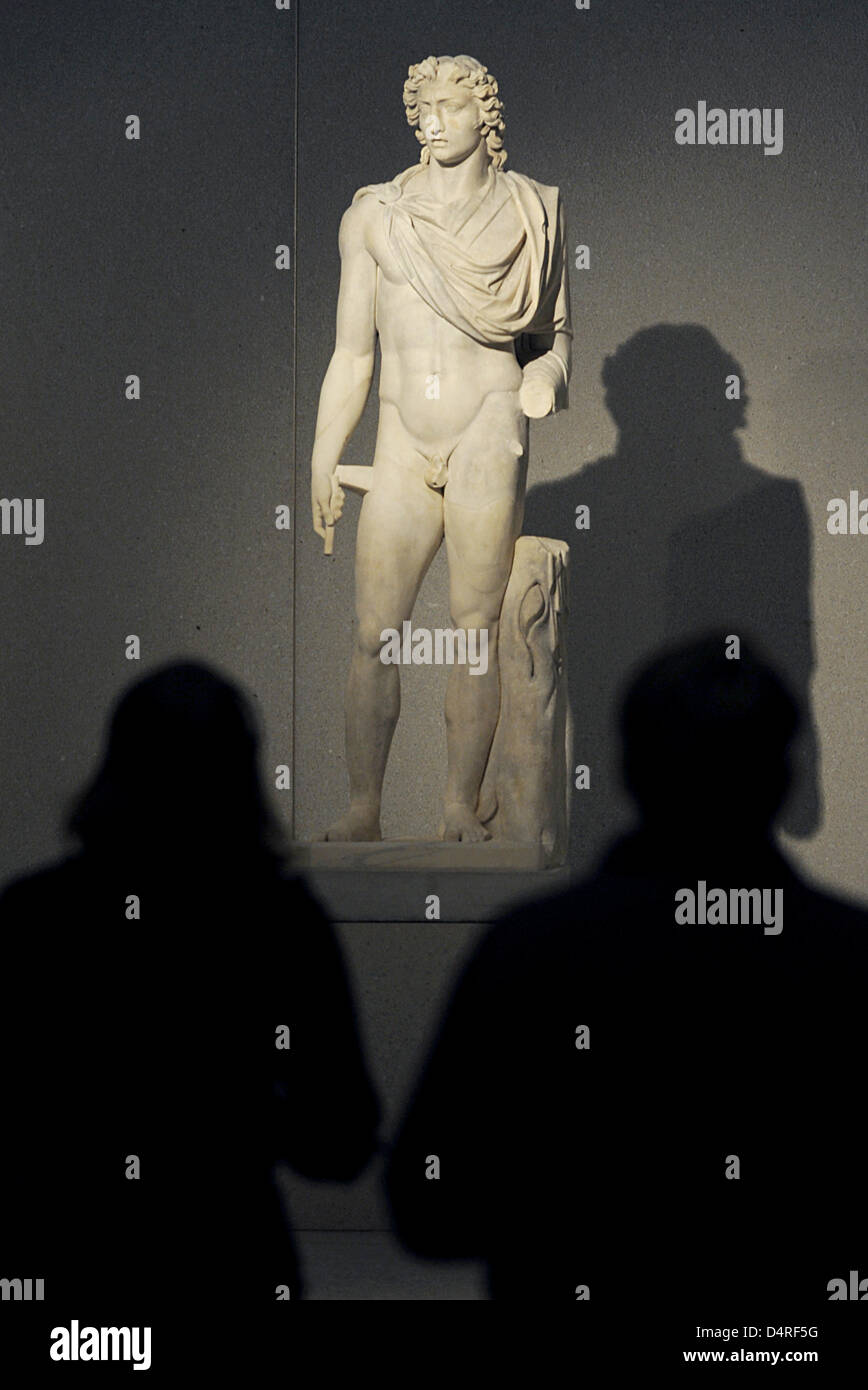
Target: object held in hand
<point x="357" y="478"/>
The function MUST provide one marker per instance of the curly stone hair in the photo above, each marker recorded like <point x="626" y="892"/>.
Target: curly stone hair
<point x="482" y="86"/>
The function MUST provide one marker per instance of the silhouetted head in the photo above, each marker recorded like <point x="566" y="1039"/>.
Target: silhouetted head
<point x="705" y="742"/>
<point x="179" y="780"/>
<point x="668" y="384"/>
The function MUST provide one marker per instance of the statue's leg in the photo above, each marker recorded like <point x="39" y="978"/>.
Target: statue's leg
<point x="483" y="508"/>
<point x="400" y="530"/>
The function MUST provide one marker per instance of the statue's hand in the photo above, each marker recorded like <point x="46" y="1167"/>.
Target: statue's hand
<point x="327" y="498"/>
<point x="536" y="397"/>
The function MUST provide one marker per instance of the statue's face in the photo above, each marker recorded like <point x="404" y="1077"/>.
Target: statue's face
<point x="449" y="121"/>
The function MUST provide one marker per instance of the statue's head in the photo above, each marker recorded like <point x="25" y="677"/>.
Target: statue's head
<point x="454" y="106"/>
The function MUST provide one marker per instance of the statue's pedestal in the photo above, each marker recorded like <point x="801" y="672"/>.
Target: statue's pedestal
<point x="393" y="880"/>
<point x="418" y="854"/>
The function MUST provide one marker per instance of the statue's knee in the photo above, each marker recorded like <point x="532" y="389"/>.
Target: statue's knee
<point x="370" y="637"/>
<point x="477" y="619"/>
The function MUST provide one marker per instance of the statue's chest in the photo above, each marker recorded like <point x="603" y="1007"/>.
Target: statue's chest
<point x="488" y="235"/>
<point x="493" y="234"/>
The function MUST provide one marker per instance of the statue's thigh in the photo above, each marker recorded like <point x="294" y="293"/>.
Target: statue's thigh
<point x="484" y="504"/>
<point x="400" y="530"/>
<point x="490" y="459"/>
<point x="479" y="545"/>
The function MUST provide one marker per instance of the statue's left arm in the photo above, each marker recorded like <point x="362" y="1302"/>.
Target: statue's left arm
<point x="546" y="375"/>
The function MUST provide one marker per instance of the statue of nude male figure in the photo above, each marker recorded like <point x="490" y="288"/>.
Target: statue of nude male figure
<point x="459" y="269"/>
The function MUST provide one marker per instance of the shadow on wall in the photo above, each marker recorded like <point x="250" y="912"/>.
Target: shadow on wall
<point x="683" y="535"/>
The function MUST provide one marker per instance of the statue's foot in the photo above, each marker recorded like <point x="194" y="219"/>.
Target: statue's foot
<point x="359" y="823"/>
<point x="459" y="823"/>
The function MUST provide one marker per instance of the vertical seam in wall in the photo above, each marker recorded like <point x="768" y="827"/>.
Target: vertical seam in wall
<point x="294" y="283"/>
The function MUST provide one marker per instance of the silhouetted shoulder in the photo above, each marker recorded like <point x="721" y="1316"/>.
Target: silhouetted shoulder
<point x="581" y="919"/>
<point x="830" y="919"/>
<point x="43" y="888"/>
<point x="293" y="888"/>
<point x="85" y="892"/>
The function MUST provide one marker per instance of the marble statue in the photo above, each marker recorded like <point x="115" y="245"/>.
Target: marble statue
<point x="458" y="267"/>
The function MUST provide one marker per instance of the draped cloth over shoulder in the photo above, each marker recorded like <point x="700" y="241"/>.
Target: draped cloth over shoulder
<point x="517" y="293"/>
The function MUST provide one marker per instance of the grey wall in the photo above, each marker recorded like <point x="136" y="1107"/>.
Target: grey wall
<point x="153" y="257"/>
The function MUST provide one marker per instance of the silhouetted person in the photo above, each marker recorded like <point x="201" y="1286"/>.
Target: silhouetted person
<point x="152" y="1028"/>
<point x="600" y="1159"/>
<point x="685" y="535"/>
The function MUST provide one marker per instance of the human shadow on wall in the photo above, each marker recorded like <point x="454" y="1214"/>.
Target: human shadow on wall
<point x="146" y="980"/>
<point x="685" y="535"/>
